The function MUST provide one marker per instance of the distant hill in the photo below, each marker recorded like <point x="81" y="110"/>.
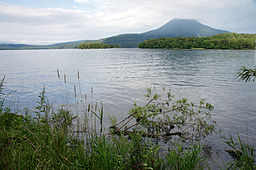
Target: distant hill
<point x="7" y="46"/>
<point x="174" y="28"/>
<point x="64" y="45"/>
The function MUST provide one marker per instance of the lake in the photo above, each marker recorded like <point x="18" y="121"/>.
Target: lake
<point x="119" y="77"/>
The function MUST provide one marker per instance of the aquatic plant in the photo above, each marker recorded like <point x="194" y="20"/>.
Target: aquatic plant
<point x="163" y="116"/>
<point x="246" y="74"/>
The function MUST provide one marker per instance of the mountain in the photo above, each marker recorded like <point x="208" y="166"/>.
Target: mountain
<point x="184" y="28"/>
<point x="174" y="28"/>
<point x="8" y="46"/>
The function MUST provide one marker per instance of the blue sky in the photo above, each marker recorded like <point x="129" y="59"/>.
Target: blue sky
<point x="50" y="21"/>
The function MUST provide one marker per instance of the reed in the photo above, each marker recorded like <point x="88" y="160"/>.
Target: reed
<point x="2" y="93"/>
<point x="191" y="158"/>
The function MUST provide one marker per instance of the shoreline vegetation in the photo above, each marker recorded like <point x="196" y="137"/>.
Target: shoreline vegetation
<point x="231" y="41"/>
<point x="49" y="138"/>
<point x="97" y="45"/>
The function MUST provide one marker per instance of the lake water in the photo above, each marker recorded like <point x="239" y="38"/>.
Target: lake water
<point x="119" y="77"/>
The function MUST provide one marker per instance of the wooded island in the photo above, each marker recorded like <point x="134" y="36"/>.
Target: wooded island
<point x="97" y="45"/>
<point x="219" y="41"/>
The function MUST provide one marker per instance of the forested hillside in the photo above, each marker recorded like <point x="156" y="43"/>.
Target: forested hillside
<point x="219" y="41"/>
<point x="96" y="45"/>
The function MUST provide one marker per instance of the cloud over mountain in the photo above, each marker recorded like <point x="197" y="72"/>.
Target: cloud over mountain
<point x="94" y="19"/>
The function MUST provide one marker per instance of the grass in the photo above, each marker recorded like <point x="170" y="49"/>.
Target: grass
<point x="186" y="160"/>
<point x="49" y="139"/>
<point x="40" y="144"/>
<point x="28" y="143"/>
<point x="243" y="154"/>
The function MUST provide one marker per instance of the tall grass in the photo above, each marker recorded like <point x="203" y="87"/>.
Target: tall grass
<point x="186" y="159"/>
<point x="2" y="94"/>
<point x="49" y="139"/>
<point x="28" y="143"/>
<point x="243" y="154"/>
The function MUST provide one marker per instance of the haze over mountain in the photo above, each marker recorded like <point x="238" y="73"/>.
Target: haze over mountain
<point x="174" y="28"/>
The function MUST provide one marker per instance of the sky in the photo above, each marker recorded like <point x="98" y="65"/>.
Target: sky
<point x="52" y="21"/>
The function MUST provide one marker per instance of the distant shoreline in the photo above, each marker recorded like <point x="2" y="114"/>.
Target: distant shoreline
<point x="35" y="49"/>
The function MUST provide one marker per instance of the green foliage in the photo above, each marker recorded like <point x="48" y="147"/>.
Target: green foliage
<point x="164" y="116"/>
<point x="43" y="106"/>
<point x="2" y="94"/>
<point x="243" y="154"/>
<point x="119" y="152"/>
<point x="97" y="45"/>
<point x="219" y="41"/>
<point x="247" y="74"/>
<point x="100" y="117"/>
<point x="28" y="143"/>
<point x="112" y="119"/>
<point x="191" y="158"/>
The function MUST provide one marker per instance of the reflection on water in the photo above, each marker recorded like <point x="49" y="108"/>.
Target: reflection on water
<point x="120" y="76"/>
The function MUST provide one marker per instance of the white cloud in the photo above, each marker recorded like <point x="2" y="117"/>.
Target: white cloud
<point x="44" y="25"/>
<point x="94" y="19"/>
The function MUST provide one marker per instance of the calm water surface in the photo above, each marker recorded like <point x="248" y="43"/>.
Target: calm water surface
<point x="119" y="78"/>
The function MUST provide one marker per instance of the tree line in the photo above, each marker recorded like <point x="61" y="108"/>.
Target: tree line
<point x="96" y="45"/>
<point x="219" y="41"/>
